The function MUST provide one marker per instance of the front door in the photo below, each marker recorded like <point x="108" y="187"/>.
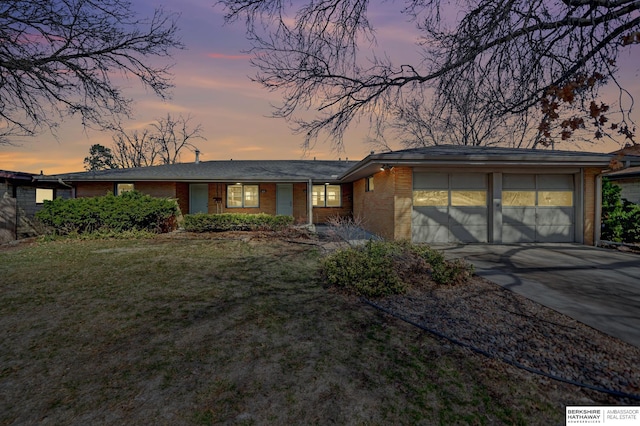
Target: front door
<point x="198" y="198"/>
<point x="284" y="199"/>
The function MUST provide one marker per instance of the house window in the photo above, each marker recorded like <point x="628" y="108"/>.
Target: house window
<point x="468" y="198"/>
<point x="369" y="184"/>
<point x="555" y="198"/>
<point x="521" y="198"/>
<point x="44" y="194"/>
<point x="326" y="196"/>
<point x="545" y="198"/>
<point x="121" y="188"/>
<point x="240" y="195"/>
<point x="430" y="198"/>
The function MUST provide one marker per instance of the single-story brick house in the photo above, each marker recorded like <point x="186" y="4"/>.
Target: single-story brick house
<point x="308" y="190"/>
<point x="433" y="194"/>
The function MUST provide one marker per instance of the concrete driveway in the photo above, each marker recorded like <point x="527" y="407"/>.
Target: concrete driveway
<point x="598" y="287"/>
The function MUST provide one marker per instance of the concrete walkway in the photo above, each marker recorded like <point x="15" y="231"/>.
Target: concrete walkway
<point x="598" y="287"/>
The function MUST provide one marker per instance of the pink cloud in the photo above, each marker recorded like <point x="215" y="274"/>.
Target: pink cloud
<point x="224" y="56"/>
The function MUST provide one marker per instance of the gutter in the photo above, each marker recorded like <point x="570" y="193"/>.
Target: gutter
<point x="64" y="184"/>
<point x="356" y="171"/>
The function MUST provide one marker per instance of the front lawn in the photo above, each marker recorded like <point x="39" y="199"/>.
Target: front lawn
<point x="229" y="329"/>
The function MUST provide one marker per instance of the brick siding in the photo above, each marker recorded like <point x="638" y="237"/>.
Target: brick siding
<point x="590" y="205"/>
<point x="376" y="208"/>
<point x="182" y="194"/>
<point x="403" y="202"/>
<point x="157" y="189"/>
<point x="93" y="189"/>
<point x="300" y="201"/>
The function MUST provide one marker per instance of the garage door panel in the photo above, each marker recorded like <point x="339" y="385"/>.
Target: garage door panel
<point x="469" y="233"/>
<point x="468" y="181"/>
<point x="555" y="182"/>
<point x="430" y="216"/>
<point x="555" y="216"/>
<point x="555" y="233"/>
<point x="431" y="234"/>
<point x="476" y="216"/>
<point x="517" y="181"/>
<point x="538" y="208"/>
<point x="450" y="207"/>
<point x="514" y="233"/>
<point x="519" y="216"/>
<point x="433" y="180"/>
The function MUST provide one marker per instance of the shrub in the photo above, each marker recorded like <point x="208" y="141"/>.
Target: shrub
<point x="446" y="272"/>
<point x="202" y="222"/>
<point x="620" y="218"/>
<point x="382" y="268"/>
<point x="131" y="211"/>
<point x="367" y="270"/>
<point x="346" y="228"/>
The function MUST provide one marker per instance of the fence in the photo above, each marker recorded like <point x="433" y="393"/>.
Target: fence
<point x="8" y="219"/>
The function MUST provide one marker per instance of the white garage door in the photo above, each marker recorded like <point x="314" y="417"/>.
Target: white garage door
<point x="449" y="207"/>
<point x="537" y="208"/>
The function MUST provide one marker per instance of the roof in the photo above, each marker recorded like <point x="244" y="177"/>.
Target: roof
<point x="629" y="150"/>
<point x="221" y="171"/>
<point x="336" y="171"/>
<point x="630" y="172"/>
<point x="7" y="174"/>
<point x="449" y="155"/>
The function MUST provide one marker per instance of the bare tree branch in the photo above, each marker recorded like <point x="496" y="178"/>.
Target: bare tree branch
<point x="321" y="56"/>
<point x="162" y="143"/>
<point x="60" y="58"/>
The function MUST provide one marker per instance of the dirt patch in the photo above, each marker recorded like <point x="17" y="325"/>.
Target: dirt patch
<point x="509" y="327"/>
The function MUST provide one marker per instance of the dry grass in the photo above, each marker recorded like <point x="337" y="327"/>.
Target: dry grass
<point x="229" y="329"/>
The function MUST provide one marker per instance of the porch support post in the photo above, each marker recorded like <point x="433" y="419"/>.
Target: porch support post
<point x="310" y="202"/>
<point x="597" y="226"/>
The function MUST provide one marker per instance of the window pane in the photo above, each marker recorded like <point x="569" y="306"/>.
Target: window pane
<point x="555" y="198"/>
<point x="468" y="198"/>
<point x="318" y="195"/>
<point x="234" y="196"/>
<point x="251" y="194"/>
<point x="430" y="198"/>
<point x="43" y="194"/>
<point x="518" y="198"/>
<point x="123" y="187"/>
<point x="369" y="184"/>
<point x="333" y="195"/>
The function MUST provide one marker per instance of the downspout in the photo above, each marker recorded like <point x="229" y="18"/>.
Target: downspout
<point x="310" y="202"/>
<point x="597" y="231"/>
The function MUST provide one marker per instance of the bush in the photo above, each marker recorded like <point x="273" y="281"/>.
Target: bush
<point x="383" y="268"/>
<point x="202" y="222"/>
<point x="367" y="270"/>
<point x="131" y="211"/>
<point x="446" y="272"/>
<point x="620" y="218"/>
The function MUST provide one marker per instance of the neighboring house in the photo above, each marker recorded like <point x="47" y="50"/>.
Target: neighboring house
<point x="436" y="194"/>
<point x="628" y="178"/>
<point x="21" y="196"/>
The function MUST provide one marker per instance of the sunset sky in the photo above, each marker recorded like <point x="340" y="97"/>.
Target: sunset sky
<point x="212" y="84"/>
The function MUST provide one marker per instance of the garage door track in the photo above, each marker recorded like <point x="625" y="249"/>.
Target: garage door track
<point x="598" y="287"/>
